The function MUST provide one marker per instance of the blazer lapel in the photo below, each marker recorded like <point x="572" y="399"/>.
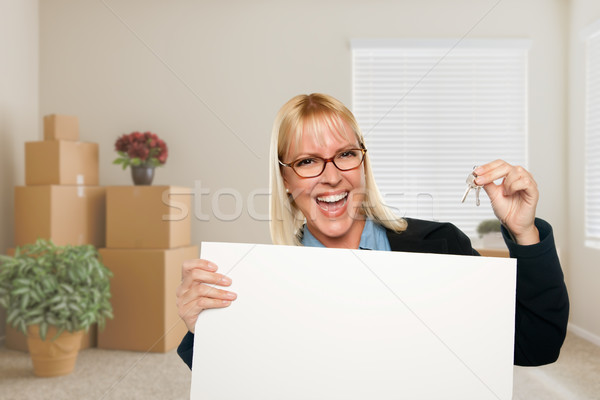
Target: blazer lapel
<point x="402" y="242"/>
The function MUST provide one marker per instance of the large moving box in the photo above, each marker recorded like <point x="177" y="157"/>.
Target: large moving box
<point x="61" y="127"/>
<point x="143" y="299"/>
<point x="61" y="162"/>
<point x="65" y="214"/>
<point x="148" y="217"/>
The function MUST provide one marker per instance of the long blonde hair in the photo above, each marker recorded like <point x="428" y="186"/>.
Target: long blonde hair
<point x="309" y="114"/>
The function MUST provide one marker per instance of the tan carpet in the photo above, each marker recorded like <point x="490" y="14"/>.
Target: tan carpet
<point x="576" y="375"/>
<point x="104" y="374"/>
<point x="99" y="374"/>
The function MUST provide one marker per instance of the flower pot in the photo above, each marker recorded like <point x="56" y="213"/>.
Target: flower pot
<point x="53" y="357"/>
<point x="142" y="174"/>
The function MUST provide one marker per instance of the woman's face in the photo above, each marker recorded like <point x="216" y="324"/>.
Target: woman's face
<point x="330" y="202"/>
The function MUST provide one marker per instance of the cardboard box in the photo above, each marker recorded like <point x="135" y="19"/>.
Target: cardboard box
<point x="148" y="217"/>
<point x="16" y="340"/>
<point x="65" y="214"/>
<point x="143" y="299"/>
<point x="61" y="127"/>
<point x="61" y="162"/>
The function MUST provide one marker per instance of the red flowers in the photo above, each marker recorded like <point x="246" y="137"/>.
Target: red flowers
<point x="141" y="149"/>
<point x="138" y="149"/>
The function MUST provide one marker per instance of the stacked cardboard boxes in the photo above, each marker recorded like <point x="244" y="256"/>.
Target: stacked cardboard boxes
<point x="61" y="200"/>
<point x="147" y="238"/>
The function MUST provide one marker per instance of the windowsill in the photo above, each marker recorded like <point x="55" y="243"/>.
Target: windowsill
<point x="494" y="252"/>
<point x="593" y="243"/>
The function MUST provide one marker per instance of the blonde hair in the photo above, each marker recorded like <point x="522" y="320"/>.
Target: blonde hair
<point x="309" y="114"/>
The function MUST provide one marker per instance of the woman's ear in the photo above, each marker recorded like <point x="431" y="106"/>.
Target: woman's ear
<point x="284" y="177"/>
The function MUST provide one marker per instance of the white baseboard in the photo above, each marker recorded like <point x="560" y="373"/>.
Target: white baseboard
<point x="584" y="334"/>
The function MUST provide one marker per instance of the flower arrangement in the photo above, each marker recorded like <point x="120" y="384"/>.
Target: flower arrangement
<point x="141" y="149"/>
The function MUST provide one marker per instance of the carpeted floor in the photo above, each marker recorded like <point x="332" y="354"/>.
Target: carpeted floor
<point x="104" y="374"/>
<point x="575" y="376"/>
<point x="99" y="374"/>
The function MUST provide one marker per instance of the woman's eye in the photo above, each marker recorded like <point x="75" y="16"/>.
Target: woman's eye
<point x="305" y="162"/>
<point x="347" y="154"/>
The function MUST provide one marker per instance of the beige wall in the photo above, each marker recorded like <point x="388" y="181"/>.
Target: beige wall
<point x="193" y="65"/>
<point x="18" y="104"/>
<point x="210" y="76"/>
<point x="584" y="267"/>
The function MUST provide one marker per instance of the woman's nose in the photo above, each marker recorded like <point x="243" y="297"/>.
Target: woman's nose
<point x="331" y="174"/>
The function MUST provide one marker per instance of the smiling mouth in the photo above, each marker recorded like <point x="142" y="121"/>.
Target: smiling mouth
<point x="333" y="202"/>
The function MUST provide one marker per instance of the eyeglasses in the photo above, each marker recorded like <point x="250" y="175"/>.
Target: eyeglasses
<point x="311" y="167"/>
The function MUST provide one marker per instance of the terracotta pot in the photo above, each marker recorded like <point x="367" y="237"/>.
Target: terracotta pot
<point x="142" y="175"/>
<point x="53" y="357"/>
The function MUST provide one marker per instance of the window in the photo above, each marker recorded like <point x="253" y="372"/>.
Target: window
<point x="430" y="110"/>
<point x="592" y="136"/>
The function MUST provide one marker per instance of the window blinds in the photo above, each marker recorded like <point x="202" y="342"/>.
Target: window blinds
<point x="430" y="111"/>
<point x="592" y="135"/>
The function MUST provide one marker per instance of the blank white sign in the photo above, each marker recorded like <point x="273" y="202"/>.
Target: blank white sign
<point x="315" y="323"/>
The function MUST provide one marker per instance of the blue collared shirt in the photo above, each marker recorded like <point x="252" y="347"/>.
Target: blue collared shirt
<point x="373" y="237"/>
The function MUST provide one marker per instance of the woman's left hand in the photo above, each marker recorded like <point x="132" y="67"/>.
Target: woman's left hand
<point x="514" y="200"/>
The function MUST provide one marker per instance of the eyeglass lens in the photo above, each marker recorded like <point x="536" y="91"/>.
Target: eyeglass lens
<point x="313" y="166"/>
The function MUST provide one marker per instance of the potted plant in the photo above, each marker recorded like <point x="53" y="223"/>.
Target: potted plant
<point x="53" y="294"/>
<point x="490" y="232"/>
<point x="143" y="152"/>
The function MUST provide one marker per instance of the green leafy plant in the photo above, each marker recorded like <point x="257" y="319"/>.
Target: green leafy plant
<point x="64" y="286"/>
<point x="487" y="226"/>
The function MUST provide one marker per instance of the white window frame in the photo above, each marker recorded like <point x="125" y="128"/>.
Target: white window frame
<point x="591" y="37"/>
<point x="389" y="120"/>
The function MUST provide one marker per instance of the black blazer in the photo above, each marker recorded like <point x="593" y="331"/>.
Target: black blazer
<point x="542" y="304"/>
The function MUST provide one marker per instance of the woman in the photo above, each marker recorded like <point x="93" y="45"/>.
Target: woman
<point x="324" y="194"/>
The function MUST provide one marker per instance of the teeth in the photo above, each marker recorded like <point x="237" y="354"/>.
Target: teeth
<point x="332" y="199"/>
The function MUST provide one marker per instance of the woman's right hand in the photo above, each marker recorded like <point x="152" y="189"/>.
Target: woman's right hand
<point x="194" y="294"/>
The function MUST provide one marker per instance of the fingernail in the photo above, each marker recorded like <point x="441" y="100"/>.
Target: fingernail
<point x="225" y="280"/>
<point x="226" y="302"/>
<point x="478" y="170"/>
<point x="230" y="295"/>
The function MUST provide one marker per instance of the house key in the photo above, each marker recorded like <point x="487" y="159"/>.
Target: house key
<point x="472" y="185"/>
